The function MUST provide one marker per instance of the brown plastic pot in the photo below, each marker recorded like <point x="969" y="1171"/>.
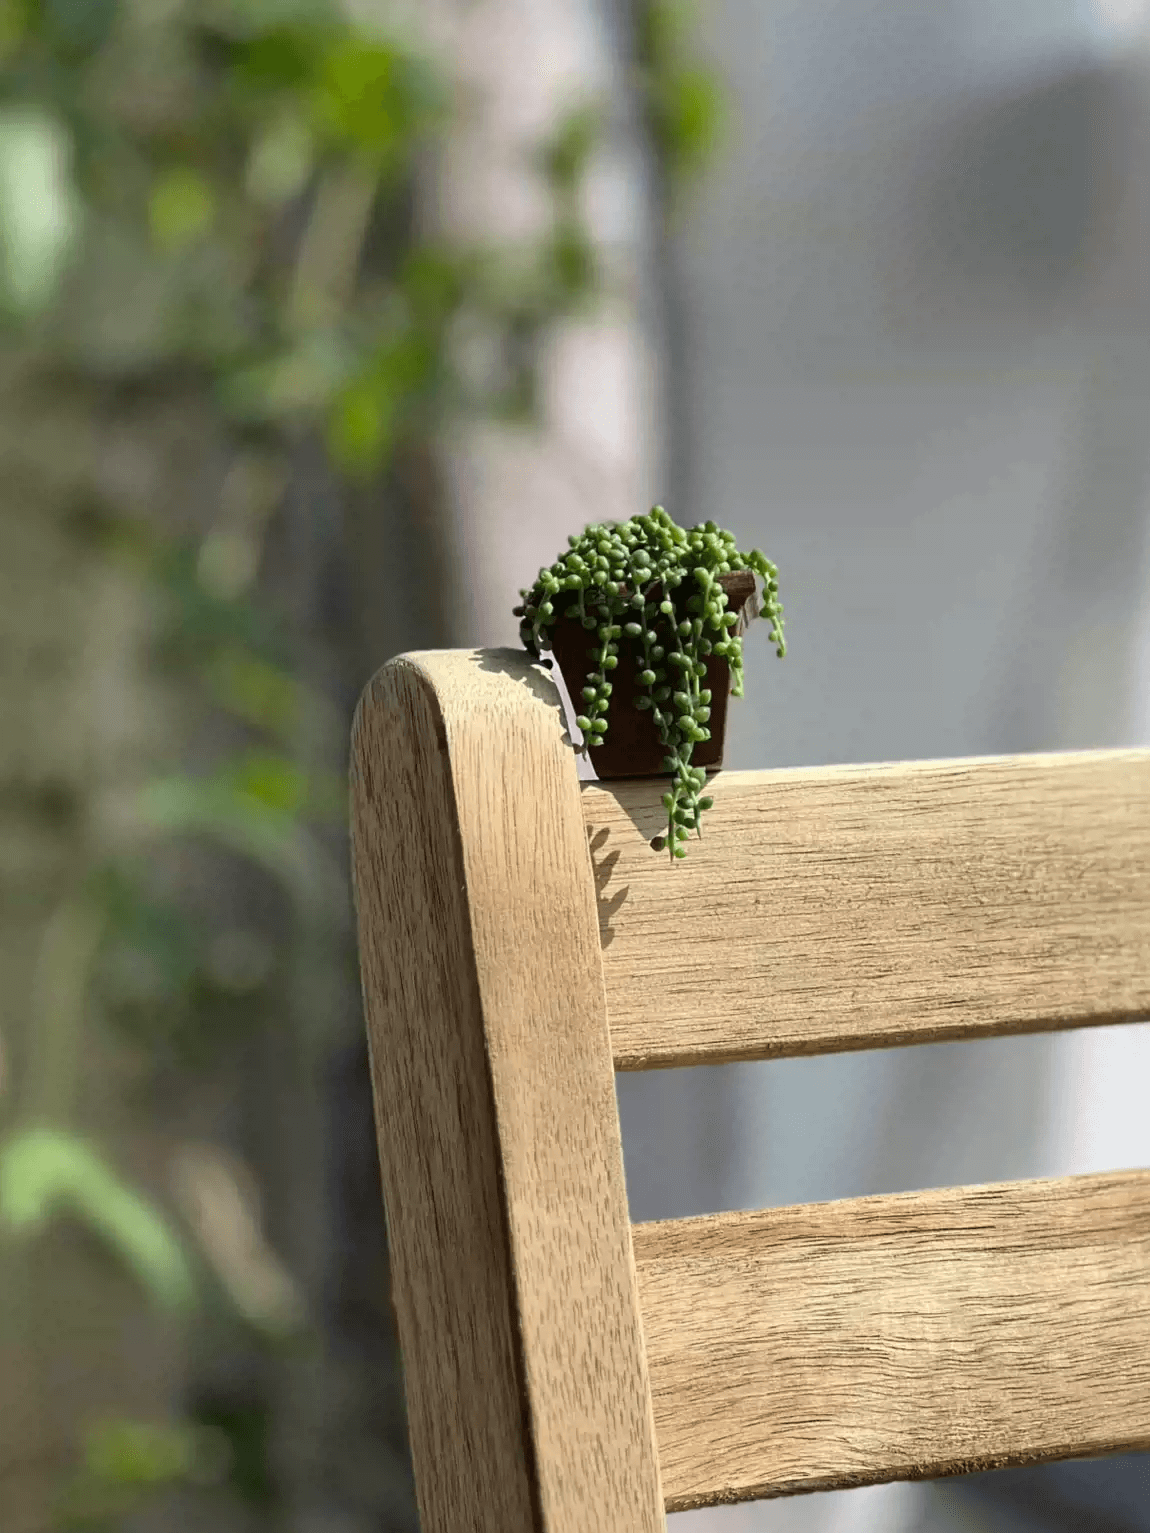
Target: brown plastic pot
<point x="632" y="747"/>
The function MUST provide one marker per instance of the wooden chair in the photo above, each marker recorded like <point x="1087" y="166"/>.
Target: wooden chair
<point x="568" y="1372"/>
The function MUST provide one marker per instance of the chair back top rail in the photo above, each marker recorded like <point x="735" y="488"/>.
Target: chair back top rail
<point x="862" y="907"/>
<point x="897" y="1337"/>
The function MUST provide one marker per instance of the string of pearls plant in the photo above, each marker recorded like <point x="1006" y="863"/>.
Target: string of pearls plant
<point x="653" y="586"/>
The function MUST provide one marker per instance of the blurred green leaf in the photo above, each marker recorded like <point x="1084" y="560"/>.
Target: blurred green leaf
<point x="197" y="622"/>
<point x="40" y="213"/>
<point x="688" y="109"/>
<point x="14" y="20"/>
<point x="125" y="1462"/>
<point x="361" y="423"/>
<point x="254" y="690"/>
<point x="45" y="1173"/>
<point x="299" y="381"/>
<point x="140" y="1453"/>
<point x="281" y="160"/>
<point x="683" y="97"/>
<point x="150" y="954"/>
<point x="659" y="31"/>
<point x="435" y="282"/>
<point x="274" y="781"/>
<point x="77" y="27"/>
<point x="246" y="19"/>
<point x="217" y="809"/>
<point x="569" y="263"/>
<point x="565" y="155"/>
<point x="282" y="58"/>
<point x="246" y="1427"/>
<point x="372" y="407"/>
<point x="171" y="976"/>
<point x="374" y="97"/>
<point x="181" y="209"/>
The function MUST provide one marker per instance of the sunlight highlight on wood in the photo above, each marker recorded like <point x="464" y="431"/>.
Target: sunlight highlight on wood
<point x="862" y="907"/>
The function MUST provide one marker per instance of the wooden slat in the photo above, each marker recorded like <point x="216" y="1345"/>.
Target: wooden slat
<point x="898" y="1337"/>
<point x="861" y="907"/>
<point x="514" y="1281"/>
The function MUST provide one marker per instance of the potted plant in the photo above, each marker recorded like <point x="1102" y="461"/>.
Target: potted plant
<point x="645" y="619"/>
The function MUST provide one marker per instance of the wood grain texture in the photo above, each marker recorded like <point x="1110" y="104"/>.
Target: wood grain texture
<point x="861" y="907"/>
<point x="898" y="1337"/>
<point x="514" y="1279"/>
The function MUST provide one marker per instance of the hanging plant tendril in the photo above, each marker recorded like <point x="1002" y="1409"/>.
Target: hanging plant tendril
<point x="653" y="586"/>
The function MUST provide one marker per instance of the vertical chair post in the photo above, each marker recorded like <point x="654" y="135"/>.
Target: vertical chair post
<point x="514" y="1278"/>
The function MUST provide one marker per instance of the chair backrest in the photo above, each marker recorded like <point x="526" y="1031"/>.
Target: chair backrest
<point x="567" y="1372"/>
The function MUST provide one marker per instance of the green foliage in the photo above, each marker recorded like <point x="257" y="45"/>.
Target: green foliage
<point x="254" y="690"/>
<point x="181" y="984"/>
<point x="146" y="970"/>
<point x="570" y="267"/>
<point x="246" y="1429"/>
<point x="126" y="1461"/>
<point x="682" y="98"/>
<point x="181" y="208"/>
<point x="375" y="98"/>
<point x="564" y="157"/>
<point x="139" y="1452"/>
<point x="169" y="209"/>
<point x="197" y="624"/>
<point x="655" y="587"/>
<point x="244" y="814"/>
<point x="45" y="1172"/>
<point x="41" y="215"/>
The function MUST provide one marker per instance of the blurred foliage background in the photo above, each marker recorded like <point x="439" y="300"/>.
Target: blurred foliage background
<point x="229" y="352"/>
